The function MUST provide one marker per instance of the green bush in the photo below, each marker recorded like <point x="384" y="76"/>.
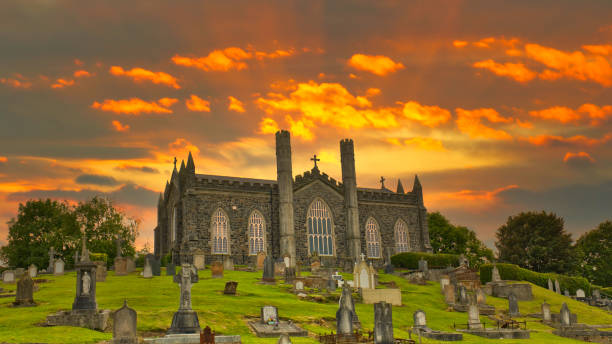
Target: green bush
<point x="410" y="260"/>
<point x="516" y="273"/>
<point x="101" y="257"/>
<point x="140" y="261"/>
<point x="166" y="259"/>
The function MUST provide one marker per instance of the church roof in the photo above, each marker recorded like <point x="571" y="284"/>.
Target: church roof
<point x="236" y="179"/>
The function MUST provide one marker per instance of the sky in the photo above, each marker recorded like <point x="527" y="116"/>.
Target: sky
<point x="499" y="107"/>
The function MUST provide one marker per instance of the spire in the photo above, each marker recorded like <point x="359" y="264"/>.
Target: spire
<point x="400" y="187"/>
<point x="174" y="171"/>
<point x="417" y="189"/>
<point x="190" y="163"/>
<point x="182" y="167"/>
<point x="417" y="182"/>
<point x="161" y="197"/>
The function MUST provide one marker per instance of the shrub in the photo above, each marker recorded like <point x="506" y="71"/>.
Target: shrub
<point x="410" y="260"/>
<point x="140" y="261"/>
<point x="516" y="273"/>
<point x="166" y="259"/>
<point x="101" y="257"/>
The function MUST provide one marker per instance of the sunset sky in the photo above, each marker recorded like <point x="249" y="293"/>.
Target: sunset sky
<point x="498" y="108"/>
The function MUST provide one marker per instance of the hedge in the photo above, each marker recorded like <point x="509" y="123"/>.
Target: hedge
<point x="166" y="259"/>
<point x="516" y="273"/>
<point x="410" y="260"/>
<point x="102" y="257"/>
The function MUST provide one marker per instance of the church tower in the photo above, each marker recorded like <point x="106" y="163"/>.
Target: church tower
<point x="349" y="181"/>
<point x="284" y="175"/>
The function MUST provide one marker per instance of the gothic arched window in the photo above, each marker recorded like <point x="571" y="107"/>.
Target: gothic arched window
<point x="320" y="229"/>
<point x="220" y="239"/>
<point x="257" y="228"/>
<point x="401" y="237"/>
<point x="372" y="238"/>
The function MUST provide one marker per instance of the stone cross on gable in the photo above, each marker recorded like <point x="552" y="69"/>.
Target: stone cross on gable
<point x="362" y="256"/>
<point x="174" y="162"/>
<point x="315" y="159"/>
<point x="84" y="251"/>
<point x="382" y="182"/>
<point x="185" y="279"/>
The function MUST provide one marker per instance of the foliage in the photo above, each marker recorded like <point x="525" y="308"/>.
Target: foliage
<point x="166" y="259"/>
<point x="516" y="273"/>
<point x="410" y="260"/>
<point x="101" y="257"/>
<point x="535" y="241"/>
<point x="41" y="224"/>
<point x="448" y="238"/>
<point x="593" y="252"/>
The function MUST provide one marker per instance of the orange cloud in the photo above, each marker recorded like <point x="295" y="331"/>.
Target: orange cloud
<point x="300" y="128"/>
<point x="140" y="75"/>
<point x="596" y="113"/>
<point x="378" y="64"/>
<point x="231" y="58"/>
<point x="578" y="158"/>
<point x="260" y="55"/>
<point x="268" y="126"/>
<point x="78" y="62"/>
<point x="558" y="113"/>
<point x="81" y="73"/>
<point x="459" y="44"/>
<point x="574" y="65"/>
<point x="3" y="159"/>
<point x="61" y="83"/>
<point x="196" y="103"/>
<point x="431" y="116"/>
<point x="120" y="127"/>
<point x="425" y="143"/>
<point x="16" y="83"/>
<point x="469" y="122"/>
<point x="478" y="195"/>
<point x="235" y="105"/>
<point x="545" y="140"/>
<point x="598" y="49"/>
<point x="182" y="147"/>
<point x="515" y="71"/>
<point x="135" y="106"/>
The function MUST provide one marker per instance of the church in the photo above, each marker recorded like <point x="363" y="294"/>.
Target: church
<point x="309" y="215"/>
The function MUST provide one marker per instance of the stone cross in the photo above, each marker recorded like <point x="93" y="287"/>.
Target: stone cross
<point x="174" y="162"/>
<point x="382" y="182"/>
<point x="315" y="159"/>
<point x="362" y="257"/>
<point x="383" y="323"/>
<point x="185" y="279"/>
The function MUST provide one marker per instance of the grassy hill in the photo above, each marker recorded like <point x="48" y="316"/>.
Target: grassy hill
<point x="157" y="299"/>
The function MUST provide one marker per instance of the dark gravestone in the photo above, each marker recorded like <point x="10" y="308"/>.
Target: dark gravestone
<point x="463" y="298"/>
<point x="124" y="325"/>
<point x="207" y="336"/>
<point x="51" y="260"/>
<point x="230" y="288"/>
<point x="289" y="275"/>
<point x="25" y="292"/>
<point x="185" y="320"/>
<point x="216" y="269"/>
<point x="170" y="269"/>
<point x="346" y="299"/>
<point x="565" y="316"/>
<point x="344" y="320"/>
<point x="155" y="264"/>
<point x="383" y="323"/>
<point x="268" y="270"/>
<point x="513" y="308"/>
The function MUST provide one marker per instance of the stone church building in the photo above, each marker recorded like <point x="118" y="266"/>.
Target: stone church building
<point x="311" y="214"/>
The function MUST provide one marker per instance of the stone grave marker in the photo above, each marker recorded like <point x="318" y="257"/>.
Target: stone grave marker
<point x="565" y="316"/>
<point x="8" y="276"/>
<point x="25" y="292"/>
<point x="495" y="277"/>
<point x="299" y="285"/>
<point x="85" y="298"/>
<point x="124" y="325"/>
<point x="155" y="265"/>
<point x="289" y="275"/>
<point x="185" y="320"/>
<point x="566" y="293"/>
<point x="463" y="298"/>
<point x="580" y="294"/>
<point x="100" y="271"/>
<point x="269" y="315"/>
<point x="199" y="260"/>
<point x="419" y="319"/>
<point x="170" y="269"/>
<point x="423" y="265"/>
<point x="481" y="297"/>
<point x="346" y="298"/>
<point x="287" y="260"/>
<point x="513" y="308"/>
<point x="284" y="339"/>
<point x="268" y="270"/>
<point x="207" y="336"/>
<point x="546" y="312"/>
<point x="131" y="265"/>
<point x="449" y="294"/>
<point x="596" y="294"/>
<point x="344" y="319"/>
<point x="279" y="268"/>
<point x="550" y="285"/>
<point x="228" y="263"/>
<point x="474" y="318"/>
<point x="444" y="281"/>
<point x="363" y="275"/>
<point x="216" y="269"/>
<point x="383" y="323"/>
<point x="58" y="267"/>
<point x="32" y="271"/>
<point x="230" y="288"/>
<point x="147" y="272"/>
<point x="261" y="256"/>
<point x="557" y="287"/>
<point x="121" y="266"/>
<point x="315" y="266"/>
<point x="51" y="260"/>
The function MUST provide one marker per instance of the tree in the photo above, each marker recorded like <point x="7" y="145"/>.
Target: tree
<point x="448" y="238"/>
<point x="535" y="241"/>
<point x="593" y="252"/>
<point x="40" y="225"/>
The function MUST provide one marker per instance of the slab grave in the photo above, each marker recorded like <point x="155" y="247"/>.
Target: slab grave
<point x="270" y="325"/>
<point x="230" y="288"/>
<point x="475" y="327"/>
<point x="420" y="328"/>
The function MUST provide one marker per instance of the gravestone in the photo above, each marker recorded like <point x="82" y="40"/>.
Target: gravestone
<point x="383" y="323"/>
<point x="513" y="308"/>
<point x="346" y="299"/>
<point x="170" y="269"/>
<point x="557" y="287"/>
<point x="269" y="315"/>
<point x="565" y="317"/>
<point x="124" y="325"/>
<point x="268" y="270"/>
<point x="121" y="266"/>
<point x="131" y="265"/>
<point x="58" y="267"/>
<point x="100" y="271"/>
<point x="284" y="339"/>
<point x="19" y="272"/>
<point x="185" y="320"/>
<point x="596" y="294"/>
<point x="449" y="294"/>
<point x="228" y="263"/>
<point x="444" y="281"/>
<point x="473" y="317"/>
<point x="51" y="260"/>
<point x="230" y="288"/>
<point x="299" y="285"/>
<point x="259" y="264"/>
<point x="580" y="294"/>
<point x="363" y="275"/>
<point x="315" y="267"/>
<point x="481" y="297"/>
<point x="566" y="293"/>
<point x="279" y="268"/>
<point x="8" y="276"/>
<point x="147" y="272"/>
<point x="344" y="319"/>
<point x="85" y="298"/>
<point x="155" y="265"/>
<point x="216" y="269"/>
<point x="32" y="271"/>
<point x="423" y="265"/>
<point x="463" y="298"/>
<point x="495" y="277"/>
<point x="546" y="312"/>
<point x="289" y="275"/>
<point x="419" y="319"/>
<point x="550" y="285"/>
<point x="199" y="260"/>
<point x="25" y="292"/>
<point x="207" y="336"/>
<point x="287" y="260"/>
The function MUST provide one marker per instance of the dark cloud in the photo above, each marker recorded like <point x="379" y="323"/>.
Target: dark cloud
<point x="579" y="160"/>
<point x="96" y="179"/>
<point x="144" y="169"/>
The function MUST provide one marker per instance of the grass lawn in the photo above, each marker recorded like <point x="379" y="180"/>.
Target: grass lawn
<point x="157" y="299"/>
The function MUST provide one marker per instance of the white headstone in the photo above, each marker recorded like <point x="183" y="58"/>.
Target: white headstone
<point x="444" y="281"/>
<point x="580" y="293"/>
<point x="299" y="285"/>
<point x="545" y="311"/>
<point x="199" y="261"/>
<point x="269" y="314"/>
<point x="8" y="276"/>
<point x="474" y="317"/>
<point x="58" y="268"/>
<point x="147" y="272"/>
<point x="33" y="271"/>
<point x="419" y="319"/>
